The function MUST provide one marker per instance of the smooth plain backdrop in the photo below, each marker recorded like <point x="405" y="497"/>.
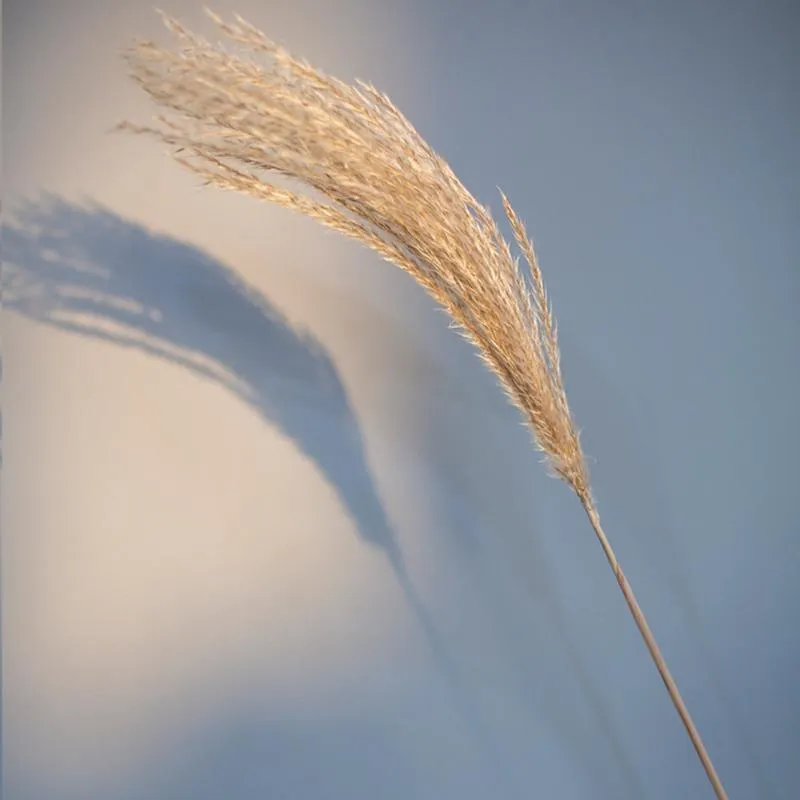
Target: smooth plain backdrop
<point x="269" y="528"/>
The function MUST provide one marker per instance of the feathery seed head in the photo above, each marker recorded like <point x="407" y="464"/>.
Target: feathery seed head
<point x="238" y="122"/>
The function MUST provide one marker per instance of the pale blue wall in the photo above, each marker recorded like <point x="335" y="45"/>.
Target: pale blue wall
<point x="652" y="149"/>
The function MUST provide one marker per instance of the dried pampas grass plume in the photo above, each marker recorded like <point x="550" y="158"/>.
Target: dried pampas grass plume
<point x="365" y="171"/>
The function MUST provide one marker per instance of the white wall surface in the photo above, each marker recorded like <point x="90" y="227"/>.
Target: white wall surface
<point x="270" y="531"/>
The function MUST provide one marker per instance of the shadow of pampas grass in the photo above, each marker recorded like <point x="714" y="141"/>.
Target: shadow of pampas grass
<point x="85" y="270"/>
<point x="355" y="164"/>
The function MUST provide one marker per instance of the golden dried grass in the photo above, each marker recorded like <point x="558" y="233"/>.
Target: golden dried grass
<point x="237" y="124"/>
<point x="244" y="124"/>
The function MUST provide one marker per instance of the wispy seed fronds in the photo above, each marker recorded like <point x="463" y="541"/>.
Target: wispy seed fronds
<point x="240" y="122"/>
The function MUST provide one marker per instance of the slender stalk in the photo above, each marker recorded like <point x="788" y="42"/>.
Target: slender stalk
<point x="652" y="646"/>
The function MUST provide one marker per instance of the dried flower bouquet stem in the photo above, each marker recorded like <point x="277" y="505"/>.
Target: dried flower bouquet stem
<point x="368" y="174"/>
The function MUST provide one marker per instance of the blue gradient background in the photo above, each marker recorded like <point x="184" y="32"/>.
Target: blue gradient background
<point x="653" y="151"/>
